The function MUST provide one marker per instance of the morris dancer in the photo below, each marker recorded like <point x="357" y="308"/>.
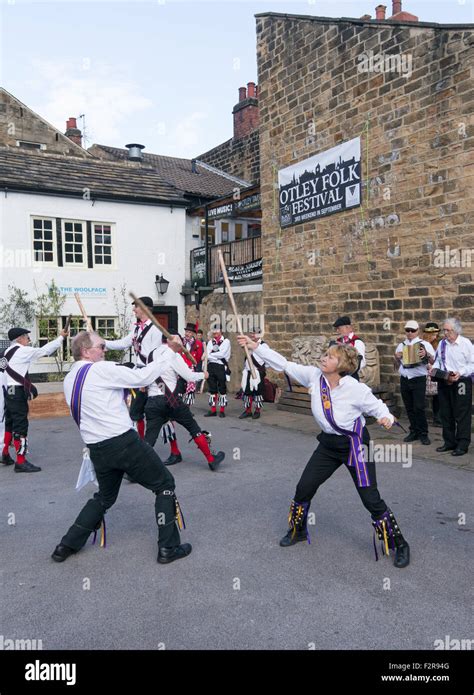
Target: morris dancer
<point x="347" y="336"/>
<point x="218" y="356"/>
<point x="338" y="402"/>
<point x="196" y="348"/>
<point x="94" y="390"/>
<point x="165" y="403"/>
<point x="251" y="395"/>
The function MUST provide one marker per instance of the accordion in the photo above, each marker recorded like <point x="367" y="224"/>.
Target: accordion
<point x="411" y="355"/>
<point x="439" y="375"/>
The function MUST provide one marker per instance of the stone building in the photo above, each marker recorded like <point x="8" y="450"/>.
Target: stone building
<point x="406" y="89"/>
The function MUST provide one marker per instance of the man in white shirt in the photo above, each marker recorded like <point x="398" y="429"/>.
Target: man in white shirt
<point x="413" y="383"/>
<point x="218" y="356"/>
<point x="455" y="355"/>
<point x="343" y="326"/>
<point x="94" y="390"/>
<point x="18" y="391"/>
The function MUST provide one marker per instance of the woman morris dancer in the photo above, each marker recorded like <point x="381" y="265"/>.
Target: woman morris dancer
<point x="338" y="402"/>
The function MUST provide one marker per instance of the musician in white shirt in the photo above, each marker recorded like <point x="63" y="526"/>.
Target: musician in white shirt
<point x="413" y="383"/>
<point x="19" y="390"/>
<point x="218" y="356"/>
<point x="338" y="403"/>
<point x="455" y="355"/>
<point x="99" y="409"/>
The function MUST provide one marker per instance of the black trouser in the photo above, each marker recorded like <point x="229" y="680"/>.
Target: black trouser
<point x="217" y="382"/>
<point x="413" y="394"/>
<point x="158" y="411"/>
<point x="137" y="406"/>
<point x="455" y="410"/>
<point x="112" y="458"/>
<point x="332" y="452"/>
<point x="16" y="410"/>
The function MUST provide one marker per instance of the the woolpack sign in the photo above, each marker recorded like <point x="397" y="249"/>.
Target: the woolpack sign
<point x="326" y="183"/>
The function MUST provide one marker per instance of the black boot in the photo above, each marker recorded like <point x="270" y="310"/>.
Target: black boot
<point x="7" y="459"/>
<point x="172" y="459"/>
<point x="388" y="532"/>
<point x="297" y="520"/>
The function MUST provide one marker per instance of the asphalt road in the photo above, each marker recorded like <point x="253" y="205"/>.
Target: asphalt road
<point x="238" y="589"/>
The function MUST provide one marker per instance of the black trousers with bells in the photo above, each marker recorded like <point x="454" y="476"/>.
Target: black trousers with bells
<point x="16" y="410"/>
<point x="158" y="411"/>
<point x="112" y="458"/>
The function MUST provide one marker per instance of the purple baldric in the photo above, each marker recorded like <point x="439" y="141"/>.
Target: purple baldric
<point x="442" y="349"/>
<point x="356" y="454"/>
<point x="76" y="396"/>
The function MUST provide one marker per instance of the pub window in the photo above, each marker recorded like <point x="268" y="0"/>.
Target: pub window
<point x="47" y="330"/>
<point x="44" y="245"/>
<point x="102" y="242"/>
<point x="77" y="324"/>
<point x="74" y="243"/>
<point x="239" y="231"/>
<point x="224" y="232"/>
<point x="211" y="231"/>
<point x="106" y="327"/>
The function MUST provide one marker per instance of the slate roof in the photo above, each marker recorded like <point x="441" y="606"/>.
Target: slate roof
<point x="56" y="174"/>
<point x="207" y="182"/>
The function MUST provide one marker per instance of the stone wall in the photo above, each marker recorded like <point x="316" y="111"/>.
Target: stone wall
<point x="238" y="157"/>
<point x="408" y="252"/>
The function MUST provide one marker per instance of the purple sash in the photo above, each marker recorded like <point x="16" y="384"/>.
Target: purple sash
<point x="76" y="396"/>
<point x="356" y="454"/>
<point x="442" y="349"/>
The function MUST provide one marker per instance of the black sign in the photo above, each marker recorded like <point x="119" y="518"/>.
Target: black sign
<point x="226" y="210"/>
<point x="251" y="202"/>
<point x="245" y="271"/>
<point x="198" y="266"/>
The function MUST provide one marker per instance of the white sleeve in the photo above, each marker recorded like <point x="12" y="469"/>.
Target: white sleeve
<point x="224" y="351"/>
<point x="371" y="405"/>
<point x="399" y="347"/>
<point x="360" y="347"/>
<point x="302" y="374"/>
<point x="46" y="350"/>
<point x="429" y="348"/>
<point x="121" y="343"/>
<point x="111" y="375"/>
<point x="180" y="366"/>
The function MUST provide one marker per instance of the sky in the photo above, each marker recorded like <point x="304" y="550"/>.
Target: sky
<point x="163" y="73"/>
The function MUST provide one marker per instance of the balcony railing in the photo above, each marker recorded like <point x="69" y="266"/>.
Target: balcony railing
<point x="243" y="260"/>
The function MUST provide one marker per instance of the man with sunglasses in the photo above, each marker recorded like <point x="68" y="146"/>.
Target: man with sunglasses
<point x="95" y="391"/>
<point x="413" y="383"/>
<point x="15" y="364"/>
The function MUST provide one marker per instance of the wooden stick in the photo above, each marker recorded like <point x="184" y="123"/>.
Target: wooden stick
<point x="68" y="322"/>
<point x="234" y="309"/>
<point x="205" y="369"/>
<point x="83" y="312"/>
<point x="154" y="320"/>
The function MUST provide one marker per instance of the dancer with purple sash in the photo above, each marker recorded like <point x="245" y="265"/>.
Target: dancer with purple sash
<point x="338" y="403"/>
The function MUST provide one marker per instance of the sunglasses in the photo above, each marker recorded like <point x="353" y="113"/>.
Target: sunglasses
<point x="411" y="330"/>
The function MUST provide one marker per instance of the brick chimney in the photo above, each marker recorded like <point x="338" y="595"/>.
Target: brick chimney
<point x="401" y="16"/>
<point x="246" y="111"/>
<point x="73" y="132"/>
<point x="380" y="12"/>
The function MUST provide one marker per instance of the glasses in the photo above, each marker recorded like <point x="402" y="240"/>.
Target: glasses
<point x="411" y="330"/>
<point x="101" y="346"/>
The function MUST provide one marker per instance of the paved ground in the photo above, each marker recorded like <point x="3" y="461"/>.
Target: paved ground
<point x="330" y="593"/>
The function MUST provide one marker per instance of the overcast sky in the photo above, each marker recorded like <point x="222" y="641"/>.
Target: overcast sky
<point x="164" y="73"/>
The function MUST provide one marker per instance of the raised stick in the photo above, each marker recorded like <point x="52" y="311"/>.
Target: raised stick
<point x="146" y="310"/>
<point x="234" y="309"/>
<point x="68" y="322"/>
<point x="83" y="312"/>
<point x="204" y="370"/>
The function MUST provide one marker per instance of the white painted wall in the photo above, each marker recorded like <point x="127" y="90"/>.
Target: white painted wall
<point x="149" y="240"/>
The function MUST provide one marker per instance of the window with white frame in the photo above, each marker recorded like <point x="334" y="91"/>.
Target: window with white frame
<point x="77" y="324"/>
<point x="74" y="246"/>
<point x="44" y="246"/>
<point x="102" y="243"/>
<point x="106" y="327"/>
<point x="47" y="330"/>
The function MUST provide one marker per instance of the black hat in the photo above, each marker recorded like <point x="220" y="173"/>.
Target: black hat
<point x="190" y="327"/>
<point x="342" y="321"/>
<point x="147" y="301"/>
<point x="431" y="327"/>
<point x="15" y="333"/>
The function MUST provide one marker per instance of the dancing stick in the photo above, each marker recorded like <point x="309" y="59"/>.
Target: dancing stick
<point x="234" y="309"/>
<point x="83" y="312"/>
<point x="68" y="322"/>
<point x="201" y="390"/>
<point x="154" y="320"/>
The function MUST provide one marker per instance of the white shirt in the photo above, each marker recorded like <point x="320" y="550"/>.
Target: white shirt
<point x="151" y="341"/>
<point x="222" y="352"/>
<point x="176" y="367"/>
<point x="350" y="398"/>
<point x="359" y="346"/>
<point x="104" y="412"/>
<point x="25" y="355"/>
<point x="419" y="370"/>
<point x="459" y="356"/>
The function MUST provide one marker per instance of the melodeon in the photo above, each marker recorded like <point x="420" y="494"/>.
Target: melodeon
<point x="411" y="355"/>
<point x="439" y="375"/>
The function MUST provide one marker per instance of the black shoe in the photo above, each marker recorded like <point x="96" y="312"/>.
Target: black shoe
<point x="424" y="439"/>
<point x="412" y="437"/>
<point x="7" y="460"/>
<point x="62" y="552"/>
<point x="289" y="539"/>
<point x="402" y="556"/>
<point x="166" y="555"/>
<point x="444" y="448"/>
<point x="256" y="415"/>
<point x="222" y="414"/>
<point x="210" y="414"/>
<point x="437" y="423"/>
<point x="244" y="415"/>
<point x="218" y="458"/>
<point x="26" y="467"/>
<point x="174" y="458"/>
<point x="458" y="452"/>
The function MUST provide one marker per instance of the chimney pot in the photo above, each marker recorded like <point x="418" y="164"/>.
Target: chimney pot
<point x="251" y="92"/>
<point x="380" y="12"/>
<point x="73" y="132"/>
<point x="135" y="152"/>
<point x="396" y="7"/>
<point x="242" y="93"/>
